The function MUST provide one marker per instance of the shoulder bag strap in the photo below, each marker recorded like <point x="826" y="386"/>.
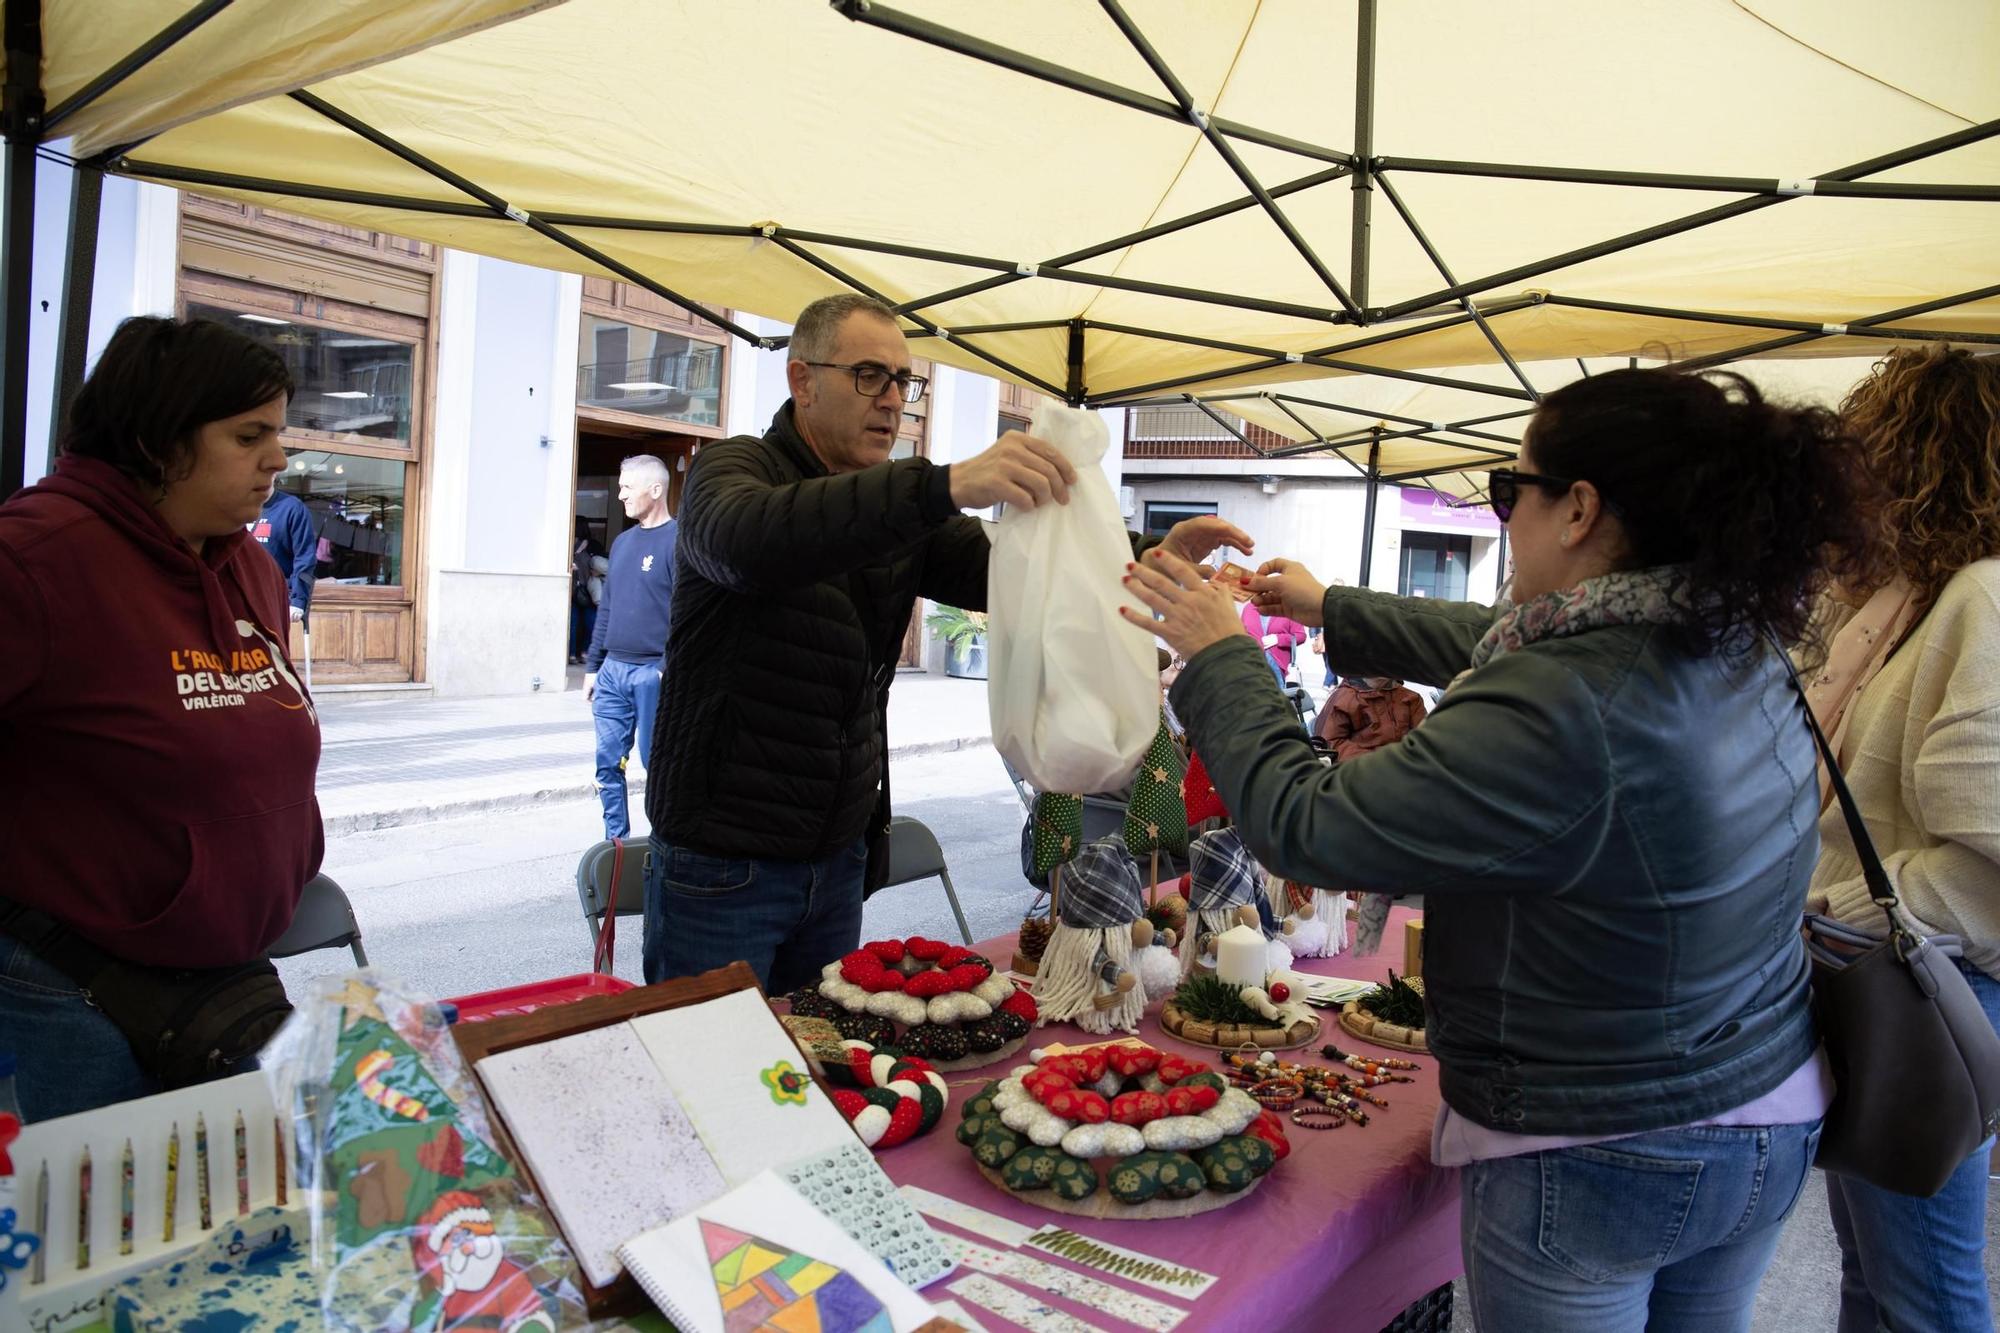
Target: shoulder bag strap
<point x="1879" y="887"/>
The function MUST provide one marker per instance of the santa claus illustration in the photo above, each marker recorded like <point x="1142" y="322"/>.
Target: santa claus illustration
<point x="457" y="1249"/>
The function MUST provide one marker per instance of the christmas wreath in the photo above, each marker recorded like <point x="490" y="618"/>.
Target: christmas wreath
<point x="955" y="1009"/>
<point x="1166" y="1127"/>
<point x="895" y="1098"/>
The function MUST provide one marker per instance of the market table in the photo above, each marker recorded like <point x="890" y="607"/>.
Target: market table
<point x="1346" y="1233"/>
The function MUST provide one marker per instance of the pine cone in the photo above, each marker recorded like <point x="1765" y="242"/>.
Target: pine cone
<point x="1035" y="932"/>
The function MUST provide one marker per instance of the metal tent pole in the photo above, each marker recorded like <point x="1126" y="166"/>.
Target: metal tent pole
<point x="1368" y="518"/>
<point x="79" y="283"/>
<point x="22" y="116"/>
<point x="1364" y="147"/>
<point x="1075" y="393"/>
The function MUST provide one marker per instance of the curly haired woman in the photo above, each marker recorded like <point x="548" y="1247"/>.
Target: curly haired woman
<point x="1910" y="696"/>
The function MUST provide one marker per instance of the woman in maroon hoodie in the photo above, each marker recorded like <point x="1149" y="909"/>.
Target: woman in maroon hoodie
<point x="157" y="751"/>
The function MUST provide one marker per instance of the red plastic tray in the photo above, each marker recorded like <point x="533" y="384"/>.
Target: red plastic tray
<point x="511" y="1000"/>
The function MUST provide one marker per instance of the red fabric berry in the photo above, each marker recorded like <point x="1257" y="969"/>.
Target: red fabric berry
<point x="1091" y="1108"/>
<point x="859" y="967"/>
<point x="965" y="976"/>
<point x="929" y="951"/>
<point x="889" y="951"/>
<point x="1180" y="1101"/>
<point x="1133" y="1061"/>
<point x="886" y="980"/>
<point x="924" y="985"/>
<point x="1021" y="1005"/>
<point x="1178" y="1068"/>
<point x="1095" y="1062"/>
<point x="1136" y="1108"/>
<point x="1268" y="1128"/>
<point x="1204" y="1096"/>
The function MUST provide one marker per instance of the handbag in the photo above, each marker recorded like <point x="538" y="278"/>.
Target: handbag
<point x="1916" y="1064"/>
<point x="186" y="1025"/>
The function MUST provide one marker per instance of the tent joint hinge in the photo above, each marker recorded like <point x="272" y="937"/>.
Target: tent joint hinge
<point x="1833" y="330"/>
<point x="515" y="212"/>
<point x="1791" y="189"/>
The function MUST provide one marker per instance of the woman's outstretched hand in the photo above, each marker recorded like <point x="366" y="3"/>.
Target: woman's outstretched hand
<point x="1288" y="588"/>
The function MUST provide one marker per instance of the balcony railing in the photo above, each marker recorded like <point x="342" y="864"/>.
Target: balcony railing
<point x="680" y="386"/>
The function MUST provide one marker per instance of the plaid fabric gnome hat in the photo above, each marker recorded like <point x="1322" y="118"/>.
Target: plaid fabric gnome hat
<point x="1221" y="872"/>
<point x="1100" y="888"/>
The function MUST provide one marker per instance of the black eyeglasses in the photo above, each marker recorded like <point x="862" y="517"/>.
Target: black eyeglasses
<point x="1503" y="488"/>
<point x="870" y="381"/>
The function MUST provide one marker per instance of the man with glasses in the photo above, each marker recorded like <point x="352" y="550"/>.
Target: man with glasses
<point x="769" y="792"/>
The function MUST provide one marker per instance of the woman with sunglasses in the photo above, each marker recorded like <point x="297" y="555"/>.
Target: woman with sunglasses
<point x="1611" y="815"/>
<point x="1910" y="695"/>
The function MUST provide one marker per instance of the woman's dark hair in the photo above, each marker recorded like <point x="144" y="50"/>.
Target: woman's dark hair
<point x="1762" y="502"/>
<point x="157" y="383"/>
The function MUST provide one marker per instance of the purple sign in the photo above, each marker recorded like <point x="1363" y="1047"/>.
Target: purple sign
<point x="1437" y="511"/>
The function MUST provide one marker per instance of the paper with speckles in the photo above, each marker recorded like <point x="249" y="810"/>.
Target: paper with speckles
<point x="606" y="1138"/>
<point x="1017" y="1306"/>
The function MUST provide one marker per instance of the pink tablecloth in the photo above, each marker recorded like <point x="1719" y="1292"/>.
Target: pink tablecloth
<point x="1345" y="1233"/>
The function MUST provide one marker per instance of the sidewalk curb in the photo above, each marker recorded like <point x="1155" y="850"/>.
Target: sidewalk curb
<point x="370" y="821"/>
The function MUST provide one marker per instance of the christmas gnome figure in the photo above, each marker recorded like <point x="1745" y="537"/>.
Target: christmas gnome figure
<point x="1055" y="835"/>
<point x="1156" y="814"/>
<point x="458" y="1251"/>
<point x="1315" y="919"/>
<point x="1224" y="885"/>
<point x="1086" y="974"/>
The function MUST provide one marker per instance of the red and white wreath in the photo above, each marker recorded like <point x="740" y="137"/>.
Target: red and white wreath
<point x="896" y="1097"/>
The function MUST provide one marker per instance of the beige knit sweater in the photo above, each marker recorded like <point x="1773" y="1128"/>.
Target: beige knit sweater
<point x="1922" y="755"/>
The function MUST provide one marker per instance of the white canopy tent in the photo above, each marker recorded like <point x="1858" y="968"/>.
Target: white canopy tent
<point x="1120" y="200"/>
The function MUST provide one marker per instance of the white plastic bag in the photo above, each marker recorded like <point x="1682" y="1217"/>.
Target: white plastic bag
<point x="1074" y="689"/>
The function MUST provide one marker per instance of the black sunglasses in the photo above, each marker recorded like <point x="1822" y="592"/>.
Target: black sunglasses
<point x="1503" y="488"/>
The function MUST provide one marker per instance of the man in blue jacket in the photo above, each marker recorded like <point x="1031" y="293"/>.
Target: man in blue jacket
<point x="622" y="671"/>
<point x="286" y="530"/>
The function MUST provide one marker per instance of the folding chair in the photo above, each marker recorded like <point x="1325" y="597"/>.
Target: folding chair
<point x="324" y="920"/>
<point x="594" y="888"/>
<point x="914" y="854"/>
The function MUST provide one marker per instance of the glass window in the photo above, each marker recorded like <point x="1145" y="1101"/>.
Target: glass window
<point x="357" y="509"/>
<point x="1161" y="515"/>
<point x="1435" y="564"/>
<point x="347" y="383"/>
<point x="626" y="368"/>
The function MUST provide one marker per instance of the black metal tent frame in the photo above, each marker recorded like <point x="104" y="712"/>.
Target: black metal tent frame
<point x="28" y="124"/>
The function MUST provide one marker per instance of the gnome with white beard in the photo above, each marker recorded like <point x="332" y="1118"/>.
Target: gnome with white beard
<point x="1315" y="919"/>
<point x="1086" y="974"/>
<point x="1224" y="885"/>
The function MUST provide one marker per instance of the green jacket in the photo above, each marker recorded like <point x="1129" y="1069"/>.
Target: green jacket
<point x="1613" y="839"/>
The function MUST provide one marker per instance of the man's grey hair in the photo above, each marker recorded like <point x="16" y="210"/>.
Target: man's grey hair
<point x="819" y="324"/>
<point x="645" y="469"/>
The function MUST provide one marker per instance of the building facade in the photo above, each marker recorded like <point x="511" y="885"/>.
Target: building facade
<point x="459" y="421"/>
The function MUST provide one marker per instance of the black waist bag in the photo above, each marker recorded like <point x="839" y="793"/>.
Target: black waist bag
<point x="186" y="1024"/>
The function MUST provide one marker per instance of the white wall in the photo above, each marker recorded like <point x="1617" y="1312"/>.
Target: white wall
<point x="1314" y="521"/>
<point x="501" y="471"/>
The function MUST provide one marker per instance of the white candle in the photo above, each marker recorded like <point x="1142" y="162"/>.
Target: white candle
<point x="1240" y="956"/>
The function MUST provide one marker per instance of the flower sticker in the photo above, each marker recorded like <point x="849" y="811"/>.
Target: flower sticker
<point x="788" y="1085"/>
<point x="16" y="1248"/>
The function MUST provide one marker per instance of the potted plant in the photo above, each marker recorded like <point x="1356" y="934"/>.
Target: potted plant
<point x="964" y="634"/>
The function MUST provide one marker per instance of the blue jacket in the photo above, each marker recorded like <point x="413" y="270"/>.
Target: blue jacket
<point x="287" y="531"/>
<point x="1613" y="840"/>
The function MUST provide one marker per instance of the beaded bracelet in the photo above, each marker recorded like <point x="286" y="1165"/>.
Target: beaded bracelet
<point x="1305" y="1116"/>
<point x="1276" y="1094"/>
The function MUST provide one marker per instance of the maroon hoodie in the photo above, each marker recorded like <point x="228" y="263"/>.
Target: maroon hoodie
<point x="157" y="752"/>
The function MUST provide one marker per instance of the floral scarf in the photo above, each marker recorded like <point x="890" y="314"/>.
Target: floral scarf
<point x="1629" y="597"/>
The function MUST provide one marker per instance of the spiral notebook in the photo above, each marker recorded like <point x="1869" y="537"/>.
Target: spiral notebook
<point x="762" y="1258"/>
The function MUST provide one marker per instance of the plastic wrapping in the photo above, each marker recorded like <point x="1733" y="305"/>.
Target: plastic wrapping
<point x="1074" y="689"/>
<point x="414" y="1219"/>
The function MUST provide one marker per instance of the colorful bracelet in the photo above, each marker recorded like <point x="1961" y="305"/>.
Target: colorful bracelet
<point x="1276" y="1094"/>
<point x="1306" y="1116"/>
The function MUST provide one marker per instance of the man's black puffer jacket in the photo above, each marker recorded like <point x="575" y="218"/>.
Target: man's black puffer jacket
<point x="793" y="589"/>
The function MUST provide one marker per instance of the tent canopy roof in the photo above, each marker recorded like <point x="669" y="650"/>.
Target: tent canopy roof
<point x="1011" y="176"/>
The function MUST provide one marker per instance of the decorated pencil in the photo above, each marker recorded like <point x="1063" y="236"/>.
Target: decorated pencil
<point x="40" y="1272"/>
<point x="173" y="1180"/>
<point x="242" y="1168"/>
<point x="83" y="1212"/>
<point x="201" y="1170"/>
<point x="278" y="1155"/>
<point x="125" y="1201"/>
